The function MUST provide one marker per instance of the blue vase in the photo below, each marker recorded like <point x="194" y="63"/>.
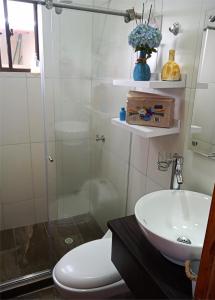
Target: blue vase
<point x="142" y="70"/>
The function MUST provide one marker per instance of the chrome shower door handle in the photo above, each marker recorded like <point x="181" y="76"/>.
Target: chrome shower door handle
<point x="51" y="159"/>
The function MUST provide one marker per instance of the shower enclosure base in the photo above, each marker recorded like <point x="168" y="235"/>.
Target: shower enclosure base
<point x="28" y="254"/>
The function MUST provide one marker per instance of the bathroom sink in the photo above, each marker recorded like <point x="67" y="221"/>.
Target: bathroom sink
<point x="174" y="222"/>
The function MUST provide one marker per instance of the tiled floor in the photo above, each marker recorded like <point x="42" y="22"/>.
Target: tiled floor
<point x="49" y="293"/>
<point x="35" y="248"/>
<point x="52" y="294"/>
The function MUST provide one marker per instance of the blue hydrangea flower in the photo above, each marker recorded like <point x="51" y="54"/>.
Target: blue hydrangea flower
<point x="144" y="36"/>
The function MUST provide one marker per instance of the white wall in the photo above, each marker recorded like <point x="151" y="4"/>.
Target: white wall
<point x="113" y="59"/>
<point x="22" y="179"/>
<point x="199" y="173"/>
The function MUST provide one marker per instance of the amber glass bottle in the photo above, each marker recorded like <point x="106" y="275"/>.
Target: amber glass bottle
<point x="171" y="70"/>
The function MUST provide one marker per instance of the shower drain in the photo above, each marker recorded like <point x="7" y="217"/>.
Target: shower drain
<point x="68" y="241"/>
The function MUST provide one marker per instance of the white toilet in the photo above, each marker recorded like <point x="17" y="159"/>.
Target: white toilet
<point x="87" y="272"/>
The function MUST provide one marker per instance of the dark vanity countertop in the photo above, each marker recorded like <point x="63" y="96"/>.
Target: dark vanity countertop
<point x="168" y="277"/>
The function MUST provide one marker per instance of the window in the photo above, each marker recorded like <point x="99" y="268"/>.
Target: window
<point x="19" y="48"/>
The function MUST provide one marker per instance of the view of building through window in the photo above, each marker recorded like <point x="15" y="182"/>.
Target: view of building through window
<point x="18" y="39"/>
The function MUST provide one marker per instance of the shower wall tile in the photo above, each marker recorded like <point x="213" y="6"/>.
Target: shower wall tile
<point x="1" y="172"/>
<point x="35" y="110"/>
<point x="22" y="164"/>
<point x="137" y="189"/>
<point x="16" y="177"/>
<point x="117" y="142"/>
<point x="41" y="210"/>
<point x="38" y="170"/>
<point x="14" y="111"/>
<point x="1" y="217"/>
<point x="108" y="191"/>
<point x="72" y="99"/>
<point x="18" y="214"/>
<point x="75" y="165"/>
<point x="108" y="99"/>
<point x="9" y="75"/>
<point x="49" y="109"/>
<point x="116" y="171"/>
<point x="50" y="39"/>
<point x="52" y="181"/>
<point x="111" y="54"/>
<point x="75" y="29"/>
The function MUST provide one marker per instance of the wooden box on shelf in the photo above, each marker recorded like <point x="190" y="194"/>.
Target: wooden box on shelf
<point x="149" y="109"/>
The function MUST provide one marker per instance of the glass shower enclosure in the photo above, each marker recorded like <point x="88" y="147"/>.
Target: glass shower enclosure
<point x="85" y="159"/>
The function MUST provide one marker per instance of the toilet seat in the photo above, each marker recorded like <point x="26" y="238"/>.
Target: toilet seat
<point x="88" y="269"/>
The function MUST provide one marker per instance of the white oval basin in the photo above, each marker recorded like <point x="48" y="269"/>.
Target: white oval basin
<point x="167" y="216"/>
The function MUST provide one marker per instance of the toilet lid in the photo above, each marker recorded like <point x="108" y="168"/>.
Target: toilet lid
<point x="87" y="266"/>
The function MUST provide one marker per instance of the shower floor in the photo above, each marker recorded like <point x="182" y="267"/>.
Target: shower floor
<point x="35" y="248"/>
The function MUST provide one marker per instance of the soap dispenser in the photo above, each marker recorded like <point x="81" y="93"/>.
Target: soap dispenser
<point x="122" y="114"/>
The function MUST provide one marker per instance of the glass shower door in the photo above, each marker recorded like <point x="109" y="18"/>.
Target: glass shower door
<point x="67" y="91"/>
<point x="87" y="179"/>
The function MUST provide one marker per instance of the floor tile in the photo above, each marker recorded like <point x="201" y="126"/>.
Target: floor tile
<point x="58" y="232"/>
<point x="88" y="228"/>
<point x="33" y="251"/>
<point x="7" y="240"/>
<point x="50" y="293"/>
<point x="8" y="265"/>
<point x="35" y="248"/>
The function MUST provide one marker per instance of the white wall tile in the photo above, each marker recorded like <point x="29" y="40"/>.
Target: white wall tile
<point x="52" y="181"/>
<point x="137" y="189"/>
<point x="14" y="112"/>
<point x="50" y="40"/>
<point x="74" y="204"/>
<point x="188" y="14"/>
<point x="1" y="172"/>
<point x="41" y="210"/>
<point x="12" y="75"/>
<point x="111" y="53"/>
<point x="75" y="165"/>
<point x="72" y="99"/>
<point x="116" y="170"/>
<point x="18" y="214"/>
<point x="38" y="170"/>
<point x="108" y="192"/>
<point x="1" y="218"/>
<point x="152" y="186"/>
<point x="36" y="118"/>
<point x="117" y="140"/>
<point x="108" y="99"/>
<point x="17" y="173"/>
<point x="49" y="109"/>
<point x="75" y="43"/>
<point x="139" y="153"/>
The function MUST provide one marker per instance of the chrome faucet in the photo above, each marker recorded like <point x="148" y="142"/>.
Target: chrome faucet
<point x="177" y="176"/>
<point x="177" y="161"/>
